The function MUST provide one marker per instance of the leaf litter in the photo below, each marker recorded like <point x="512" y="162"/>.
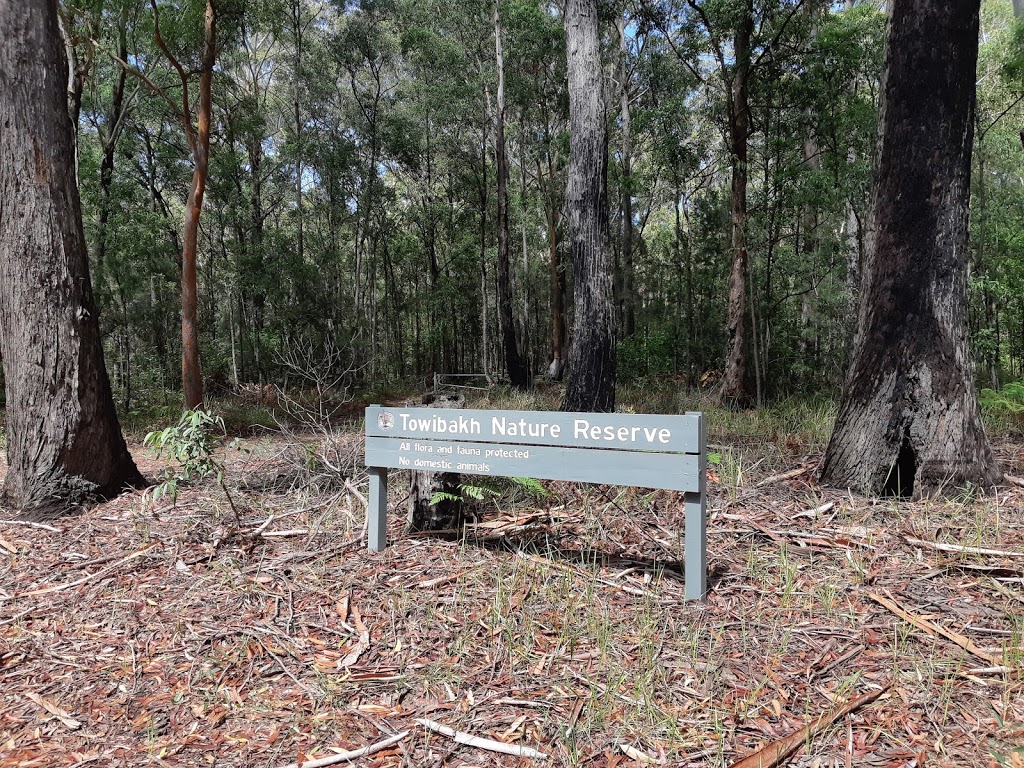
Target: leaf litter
<point x="839" y="631"/>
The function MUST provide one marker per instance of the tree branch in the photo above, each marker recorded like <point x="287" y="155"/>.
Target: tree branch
<point x="185" y="111"/>
<point x="771" y="45"/>
<point x="140" y="75"/>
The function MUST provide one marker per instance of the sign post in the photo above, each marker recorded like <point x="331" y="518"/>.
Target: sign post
<point x="647" y="451"/>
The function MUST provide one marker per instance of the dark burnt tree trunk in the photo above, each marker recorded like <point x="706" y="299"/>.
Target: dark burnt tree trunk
<point x="516" y="365"/>
<point x="64" y="443"/>
<point x="736" y="389"/>
<point x="591" y="370"/>
<point x="909" y="422"/>
<point x="198" y="136"/>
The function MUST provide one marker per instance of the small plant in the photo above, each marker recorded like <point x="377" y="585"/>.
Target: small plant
<point x="190" y="443"/>
<point x="487" y="491"/>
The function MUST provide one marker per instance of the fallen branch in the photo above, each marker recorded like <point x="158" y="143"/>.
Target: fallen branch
<point x="266" y="524"/>
<point x="935" y="630"/>
<point x="475" y="741"/>
<point x="961" y="548"/>
<point x="776" y="752"/>
<point x="91" y="576"/>
<point x="1018" y="481"/>
<point x="44" y="526"/>
<point x="784" y="476"/>
<point x="355" y="754"/>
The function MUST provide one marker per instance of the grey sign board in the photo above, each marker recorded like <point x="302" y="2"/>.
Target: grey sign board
<point x="647" y="451"/>
<point x="672" y="471"/>
<point x="624" y="431"/>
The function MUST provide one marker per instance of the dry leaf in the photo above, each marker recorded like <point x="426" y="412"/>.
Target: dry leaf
<point x="62" y="715"/>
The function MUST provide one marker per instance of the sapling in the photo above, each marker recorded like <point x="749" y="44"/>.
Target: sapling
<point x="190" y="443"/>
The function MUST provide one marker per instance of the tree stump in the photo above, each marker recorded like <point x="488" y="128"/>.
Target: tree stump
<point x="447" y="513"/>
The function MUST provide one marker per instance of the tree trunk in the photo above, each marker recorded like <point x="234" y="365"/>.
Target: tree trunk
<point x="297" y="28"/>
<point x="109" y="134"/>
<point x="64" y="442"/>
<point x="518" y="371"/>
<point x="591" y="385"/>
<point x="735" y="381"/>
<point x="556" y="288"/>
<point x="191" y="373"/>
<point x="626" y="187"/>
<point x="909" y="422"/>
<point x="424" y="514"/>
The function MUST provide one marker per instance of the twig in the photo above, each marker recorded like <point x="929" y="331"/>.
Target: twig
<point x="263" y="526"/>
<point x="44" y="526"/>
<point x="344" y="757"/>
<point x="475" y="741"/>
<point x="776" y="752"/>
<point x="934" y="629"/>
<point x="961" y="548"/>
<point x="89" y="577"/>
<point x="1018" y="481"/>
<point x="784" y="476"/>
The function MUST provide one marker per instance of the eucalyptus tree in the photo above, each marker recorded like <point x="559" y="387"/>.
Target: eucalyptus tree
<point x="731" y="43"/>
<point x="591" y="370"/>
<point x="515" y="363"/>
<point x="64" y="442"/>
<point x="909" y="422"/>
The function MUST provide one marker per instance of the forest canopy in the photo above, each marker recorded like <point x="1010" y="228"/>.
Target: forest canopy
<point x="351" y="212"/>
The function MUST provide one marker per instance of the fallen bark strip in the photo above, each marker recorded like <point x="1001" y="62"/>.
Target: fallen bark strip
<point x="475" y="741"/>
<point x="961" y="548"/>
<point x="44" y="526"/>
<point x="91" y="576"/>
<point x="935" y="630"/>
<point x="783" y="476"/>
<point x="776" y="753"/>
<point x="355" y="754"/>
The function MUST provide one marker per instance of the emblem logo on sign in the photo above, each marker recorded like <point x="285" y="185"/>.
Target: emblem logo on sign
<point x="385" y="421"/>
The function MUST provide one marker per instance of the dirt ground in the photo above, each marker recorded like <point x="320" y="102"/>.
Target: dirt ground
<point x="145" y="633"/>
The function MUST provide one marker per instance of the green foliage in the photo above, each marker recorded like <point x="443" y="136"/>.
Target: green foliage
<point x="483" y="491"/>
<point x="468" y="491"/>
<point x="1003" y="409"/>
<point x="533" y="486"/>
<point x="190" y="443"/>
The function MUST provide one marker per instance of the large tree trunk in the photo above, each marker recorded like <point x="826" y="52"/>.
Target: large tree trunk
<point x="518" y="370"/>
<point x="909" y="422"/>
<point x="591" y="370"/>
<point x="735" y="381"/>
<point x="64" y="443"/>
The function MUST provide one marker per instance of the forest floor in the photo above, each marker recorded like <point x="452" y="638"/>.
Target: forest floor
<point x="146" y="633"/>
